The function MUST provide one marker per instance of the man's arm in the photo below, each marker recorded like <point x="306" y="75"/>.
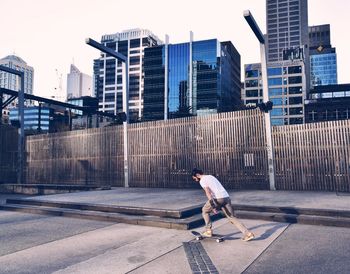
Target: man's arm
<point x="210" y="197"/>
<point x="208" y="193"/>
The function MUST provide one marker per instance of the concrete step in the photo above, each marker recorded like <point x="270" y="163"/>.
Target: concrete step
<point x="167" y="213"/>
<point x="294" y="210"/>
<point x="295" y="218"/>
<point x="45" y="189"/>
<point x="156" y="221"/>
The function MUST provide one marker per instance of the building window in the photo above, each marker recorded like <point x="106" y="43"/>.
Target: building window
<point x="251" y="73"/>
<point x="295" y="80"/>
<point x="295" y="111"/>
<point x="274" y="71"/>
<point x="275" y="81"/>
<point x="295" y="100"/>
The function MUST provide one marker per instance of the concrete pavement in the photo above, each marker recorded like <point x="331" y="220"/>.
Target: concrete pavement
<point x="122" y="248"/>
<point x="182" y="198"/>
<point x="45" y="244"/>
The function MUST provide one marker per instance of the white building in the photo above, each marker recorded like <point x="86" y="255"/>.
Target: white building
<point x="11" y="81"/>
<point x="108" y="72"/>
<point x="78" y="84"/>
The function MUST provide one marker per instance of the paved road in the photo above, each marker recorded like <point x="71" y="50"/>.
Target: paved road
<point x="44" y="244"/>
<point x="306" y="249"/>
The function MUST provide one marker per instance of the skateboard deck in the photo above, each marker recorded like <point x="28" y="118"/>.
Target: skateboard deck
<point x="218" y="238"/>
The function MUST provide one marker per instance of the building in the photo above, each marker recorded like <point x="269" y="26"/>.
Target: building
<point x="78" y="84"/>
<point x="288" y="33"/>
<point x="328" y="103"/>
<point x="287" y="27"/>
<point x="11" y="81"/>
<point x="323" y="58"/>
<point x="287" y="62"/>
<point x="108" y="71"/>
<point x="194" y="78"/>
<point x="42" y="119"/>
<point x="84" y="119"/>
<point x="286" y="88"/>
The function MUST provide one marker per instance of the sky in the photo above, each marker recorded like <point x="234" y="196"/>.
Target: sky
<point x="50" y="34"/>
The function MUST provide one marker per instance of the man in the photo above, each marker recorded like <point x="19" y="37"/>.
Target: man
<point x="218" y="198"/>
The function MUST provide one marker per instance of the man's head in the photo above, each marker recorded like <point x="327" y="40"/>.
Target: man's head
<point x="197" y="174"/>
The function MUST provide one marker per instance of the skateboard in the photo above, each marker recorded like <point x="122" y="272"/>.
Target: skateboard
<point x="216" y="237"/>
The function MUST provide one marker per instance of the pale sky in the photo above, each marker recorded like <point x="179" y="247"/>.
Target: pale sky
<point x="50" y="34"/>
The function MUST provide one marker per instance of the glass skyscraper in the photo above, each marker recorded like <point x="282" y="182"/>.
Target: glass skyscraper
<point x="323" y="58"/>
<point x="194" y="78"/>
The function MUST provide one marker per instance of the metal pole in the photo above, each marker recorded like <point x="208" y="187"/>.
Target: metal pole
<point x="190" y="82"/>
<point x="269" y="146"/>
<point x="166" y="70"/>
<point x="267" y="115"/>
<point x="21" y="137"/>
<point x="125" y="79"/>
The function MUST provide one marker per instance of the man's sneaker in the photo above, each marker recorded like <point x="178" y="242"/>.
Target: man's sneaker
<point x="207" y="233"/>
<point x="247" y="237"/>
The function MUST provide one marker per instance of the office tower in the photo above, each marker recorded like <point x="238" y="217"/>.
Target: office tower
<point x="108" y="71"/>
<point x="287" y="27"/>
<point x="288" y="62"/>
<point x="11" y="81"/>
<point x="323" y="58"/>
<point x="194" y="78"/>
<point x="286" y="85"/>
<point x="78" y="84"/>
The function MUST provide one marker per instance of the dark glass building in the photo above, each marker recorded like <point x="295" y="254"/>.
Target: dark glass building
<point x="328" y="103"/>
<point x="194" y="78"/>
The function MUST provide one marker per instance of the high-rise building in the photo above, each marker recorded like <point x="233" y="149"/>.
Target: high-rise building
<point x="108" y="71"/>
<point x="323" y="58"/>
<point x="193" y="78"/>
<point x="286" y="87"/>
<point x="11" y="81"/>
<point x="288" y="62"/>
<point x="78" y="84"/>
<point x="287" y="27"/>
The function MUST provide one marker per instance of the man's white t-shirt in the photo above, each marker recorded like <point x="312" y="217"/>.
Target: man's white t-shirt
<point x="215" y="186"/>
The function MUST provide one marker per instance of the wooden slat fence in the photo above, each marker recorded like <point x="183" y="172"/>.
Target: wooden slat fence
<point x="92" y="156"/>
<point x="229" y="145"/>
<point x="313" y="156"/>
<point x="8" y="154"/>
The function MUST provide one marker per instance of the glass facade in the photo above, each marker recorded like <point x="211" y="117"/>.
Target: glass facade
<point x="323" y="69"/>
<point x="214" y="77"/>
<point x="154" y="68"/>
<point x="286" y="87"/>
<point x="31" y="118"/>
<point x="178" y="84"/>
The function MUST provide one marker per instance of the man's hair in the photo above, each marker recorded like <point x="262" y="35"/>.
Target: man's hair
<point x="196" y="171"/>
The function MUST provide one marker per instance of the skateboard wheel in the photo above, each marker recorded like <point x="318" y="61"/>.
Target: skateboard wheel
<point x="197" y="238"/>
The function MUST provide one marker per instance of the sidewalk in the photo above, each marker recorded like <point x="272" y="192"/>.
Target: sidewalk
<point x="52" y="244"/>
<point x="180" y="198"/>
